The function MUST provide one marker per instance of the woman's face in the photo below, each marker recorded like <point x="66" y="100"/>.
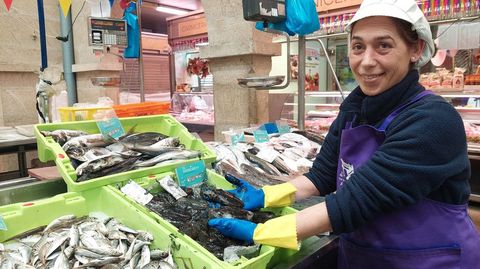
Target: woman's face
<point x="378" y="55"/>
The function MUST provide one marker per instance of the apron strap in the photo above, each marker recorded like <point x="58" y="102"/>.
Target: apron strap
<point x="390" y="117"/>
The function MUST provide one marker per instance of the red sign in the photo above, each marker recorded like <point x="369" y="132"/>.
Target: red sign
<point x="8" y="3"/>
<point x="326" y="5"/>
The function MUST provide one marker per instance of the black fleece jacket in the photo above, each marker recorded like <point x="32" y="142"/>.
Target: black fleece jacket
<point x="424" y="155"/>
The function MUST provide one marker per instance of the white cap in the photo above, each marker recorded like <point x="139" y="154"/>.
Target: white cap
<point x="406" y="10"/>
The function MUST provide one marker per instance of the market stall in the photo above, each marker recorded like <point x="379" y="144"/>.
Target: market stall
<point x="192" y="83"/>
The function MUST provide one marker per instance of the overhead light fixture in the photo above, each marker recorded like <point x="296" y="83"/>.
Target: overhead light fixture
<point x="171" y="10"/>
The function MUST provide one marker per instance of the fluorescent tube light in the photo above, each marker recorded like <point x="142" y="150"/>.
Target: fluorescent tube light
<point x="171" y="10"/>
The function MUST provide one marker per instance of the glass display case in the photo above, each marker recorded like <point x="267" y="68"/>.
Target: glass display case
<point x="454" y="73"/>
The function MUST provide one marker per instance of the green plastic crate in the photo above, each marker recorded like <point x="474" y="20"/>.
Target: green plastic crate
<point x="49" y="150"/>
<point x="259" y="262"/>
<point x="22" y="217"/>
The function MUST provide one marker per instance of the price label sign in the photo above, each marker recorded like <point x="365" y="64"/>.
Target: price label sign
<point x="111" y="127"/>
<point x="238" y="138"/>
<point x="3" y="226"/>
<point x="283" y="127"/>
<point x="191" y="174"/>
<point x="261" y="136"/>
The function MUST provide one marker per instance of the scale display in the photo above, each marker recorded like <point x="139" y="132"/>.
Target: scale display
<point x="107" y="32"/>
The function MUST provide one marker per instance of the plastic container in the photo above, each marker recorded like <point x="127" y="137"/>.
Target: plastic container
<point x="248" y="138"/>
<point x="142" y="109"/>
<point x="78" y="113"/>
<point x="49" y="150"/>
<point x="259" y="262"/>
<point x="22" y="217"/>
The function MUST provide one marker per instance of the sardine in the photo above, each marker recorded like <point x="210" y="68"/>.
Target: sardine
<point x="101" y="262"/>
<point x="61" y="262"/>
<point x="144" y="257"/>
<point x="60" y="222"/>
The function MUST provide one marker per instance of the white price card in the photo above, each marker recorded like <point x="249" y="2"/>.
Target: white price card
<point x="268" y="154"/>
<point x="172" y="187"/>
<point x="137" y="193"/>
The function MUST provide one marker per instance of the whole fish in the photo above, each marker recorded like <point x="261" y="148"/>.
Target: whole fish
<point x="88" y="141"/>
<point x="265" y="166"/>
<point x="222" y="197"/>
<point x="62" y="136"/>
<point x="122" y="166"/>
<point x="143" y="139"/>
<point x="98" y="164"/>
<point x="84" y="154"/>
<point x="161" y="146"/>
<point x="174" y="154"/>
<point x="60" y="222"/>
<point x="283" y="167"/>
<point x="101" y="262"/>
<point x="263" y="177"/>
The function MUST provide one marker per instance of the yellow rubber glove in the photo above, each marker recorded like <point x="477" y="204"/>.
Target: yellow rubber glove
<point x="279" y="195"/>
<point x="279" y="232"/>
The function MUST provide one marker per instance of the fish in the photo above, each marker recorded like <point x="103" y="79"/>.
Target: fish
<point x="101" y="262"/>
<point x="312" y="136"/>
<point x="230" y="212"/>
<point x="262" y="178"/>
<point x="143" y="139"/>
<point x="283" y="167"/>
<point x="267" y="167"/>
<point x="60" y="222"/>
<point x="122" y="166"/>
<point x="174" y="154"/>
<point x="88" y="141"/>
<point x="161" y="146"/>
<point x="62" y="136"/>
<point x="98" y="164"/>
<point x="84" y="154"/>
<point x="222" y="197"/>
<point x="53" y="250"/>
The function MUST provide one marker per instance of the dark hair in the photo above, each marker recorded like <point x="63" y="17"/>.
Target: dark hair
<point x="404" y="28"/>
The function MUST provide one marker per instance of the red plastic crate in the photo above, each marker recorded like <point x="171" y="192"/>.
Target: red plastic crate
<point x="142" y="109"/>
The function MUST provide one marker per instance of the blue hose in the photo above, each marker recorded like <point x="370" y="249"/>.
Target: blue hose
<point x="43" y="39"/>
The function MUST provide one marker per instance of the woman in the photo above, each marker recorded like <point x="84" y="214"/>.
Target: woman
<point x="394" y="166"/>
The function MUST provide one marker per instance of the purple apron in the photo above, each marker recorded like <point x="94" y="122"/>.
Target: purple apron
<point x="429" y="234"/>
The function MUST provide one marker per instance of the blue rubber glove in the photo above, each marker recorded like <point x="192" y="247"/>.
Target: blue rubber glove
<point x="278" y="232"/>
<point x="252" y="198"/>
<point x="234" y="228"/>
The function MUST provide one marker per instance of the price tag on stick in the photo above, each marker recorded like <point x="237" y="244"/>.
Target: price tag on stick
<point x="191" y="174"/>
<point x="109" y="124"/>
<point x="261" y="136"/>
<point x="3" y="226"/>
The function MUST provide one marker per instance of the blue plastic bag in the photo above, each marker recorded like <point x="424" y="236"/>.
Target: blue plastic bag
<point x="301" y="18"/>
<point x="133" y="32"/>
